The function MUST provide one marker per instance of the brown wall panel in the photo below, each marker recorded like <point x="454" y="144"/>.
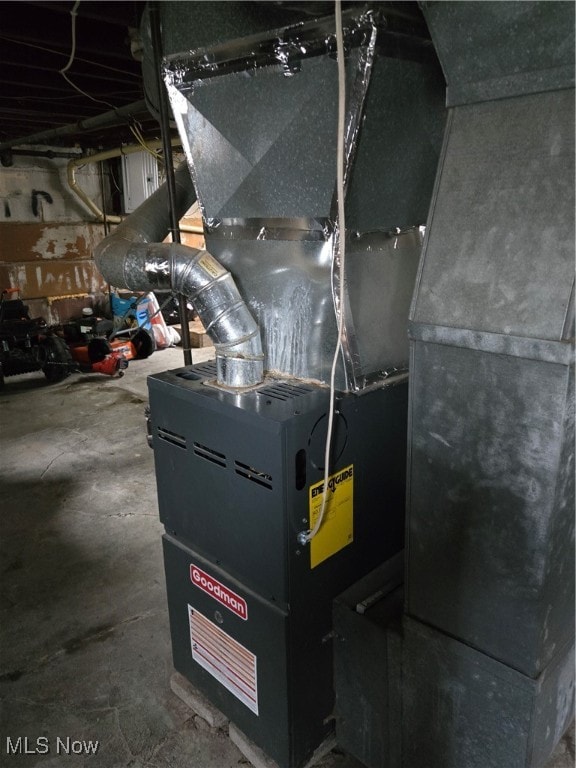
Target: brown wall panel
<point x="56" y="278"/>
<point x="37" y="241"/>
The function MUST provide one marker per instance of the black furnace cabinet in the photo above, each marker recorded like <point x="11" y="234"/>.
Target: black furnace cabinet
<point x="239" y="476"/>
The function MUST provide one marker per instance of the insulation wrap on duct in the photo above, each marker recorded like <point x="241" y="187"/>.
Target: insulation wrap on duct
<point x="133" y="258"/>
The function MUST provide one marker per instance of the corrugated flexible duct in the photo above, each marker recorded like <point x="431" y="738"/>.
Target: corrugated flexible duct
<point x="134" y="257"/>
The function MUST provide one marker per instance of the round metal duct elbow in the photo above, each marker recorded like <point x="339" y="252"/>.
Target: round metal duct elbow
<point x="225" y="316"/>
<point x="209" y="287"/>
<point x="134" y="257"/>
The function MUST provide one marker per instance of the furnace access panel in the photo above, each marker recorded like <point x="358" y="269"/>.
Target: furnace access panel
<point x="239" y="476"/>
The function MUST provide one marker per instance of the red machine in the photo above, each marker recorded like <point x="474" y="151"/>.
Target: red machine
<point x="111" y="356"/>
<point x="99" y="357"/>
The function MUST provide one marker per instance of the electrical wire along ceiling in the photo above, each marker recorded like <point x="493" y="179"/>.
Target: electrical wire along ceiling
<point x="64" y="63"/>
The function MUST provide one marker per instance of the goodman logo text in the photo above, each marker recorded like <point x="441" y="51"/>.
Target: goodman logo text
<point x="219" y="592"/>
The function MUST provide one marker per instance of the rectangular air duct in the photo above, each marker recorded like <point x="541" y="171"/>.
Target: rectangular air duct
<point x="265" y="173"/>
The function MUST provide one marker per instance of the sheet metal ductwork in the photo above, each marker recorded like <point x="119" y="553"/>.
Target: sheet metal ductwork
<point x="486" y="639"/>
<point x="242" y="475"/>
<point x="258" y="121"/>
<point x="476" y="624"/>
<point x="133" y="258"/>
<point x="490" y="571"/>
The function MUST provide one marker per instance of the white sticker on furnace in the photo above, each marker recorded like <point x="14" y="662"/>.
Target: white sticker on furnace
<point x="233" y="665"/>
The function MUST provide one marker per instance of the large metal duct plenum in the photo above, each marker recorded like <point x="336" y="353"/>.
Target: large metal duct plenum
<point x="490" y="572"/>
<point x="258" y="121"/>
<point x="485" y="641"/>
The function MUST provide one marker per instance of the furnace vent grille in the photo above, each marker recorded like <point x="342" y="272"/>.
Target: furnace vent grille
<point x="207" y="369"/>
<point x="203" y="452"/>
<point x="284" y="391"/>
<point x="261" y="478"/>
<point x="202" y="371"/>
<point x="172" y="437"/>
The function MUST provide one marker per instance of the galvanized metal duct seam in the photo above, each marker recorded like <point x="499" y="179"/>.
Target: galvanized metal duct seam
<point x="133" y="258"/>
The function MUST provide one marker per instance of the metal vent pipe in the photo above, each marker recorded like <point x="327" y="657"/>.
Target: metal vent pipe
<point x="134" y="257"/>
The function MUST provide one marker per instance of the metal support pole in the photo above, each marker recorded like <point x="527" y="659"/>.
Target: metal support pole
<point x="170" y="182"/>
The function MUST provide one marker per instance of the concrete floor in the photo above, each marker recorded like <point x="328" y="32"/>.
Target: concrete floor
<point x="84" y="641"/>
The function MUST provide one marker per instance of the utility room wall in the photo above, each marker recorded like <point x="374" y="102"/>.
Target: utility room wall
<point x="47" y="236"/>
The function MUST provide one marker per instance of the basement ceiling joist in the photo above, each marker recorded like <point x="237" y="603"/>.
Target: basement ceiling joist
<point x="36" y="42"/>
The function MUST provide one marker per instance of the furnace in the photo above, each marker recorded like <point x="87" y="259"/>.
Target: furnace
<point x="240" y="475"/>
<point x="260" y="536"/>
<point x="346" y="243"/>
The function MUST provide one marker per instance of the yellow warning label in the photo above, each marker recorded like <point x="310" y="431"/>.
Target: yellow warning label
<point x="337" y="529"/>
<point x="211" y="266"/>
